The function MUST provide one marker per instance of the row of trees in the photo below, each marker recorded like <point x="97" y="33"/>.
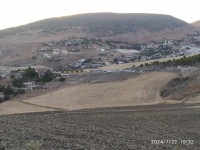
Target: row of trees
<point x="191" y="60"/>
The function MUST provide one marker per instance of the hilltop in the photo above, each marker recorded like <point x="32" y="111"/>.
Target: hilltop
<point x="132" y="27"/>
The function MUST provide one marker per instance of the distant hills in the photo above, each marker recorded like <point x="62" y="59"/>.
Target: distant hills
<point x="132" y="27"/>
<point x="20" y="45"/>
<point x="196" y="23"/>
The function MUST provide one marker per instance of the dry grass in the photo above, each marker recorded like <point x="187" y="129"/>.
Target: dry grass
<point x="144" y="89"/>
<point x="12" y="107"/>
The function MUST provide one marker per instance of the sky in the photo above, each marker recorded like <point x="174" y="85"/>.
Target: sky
<point x="18" y="12"/>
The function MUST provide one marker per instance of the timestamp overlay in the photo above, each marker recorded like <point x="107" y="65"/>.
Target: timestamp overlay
<point x="175" y="143"/>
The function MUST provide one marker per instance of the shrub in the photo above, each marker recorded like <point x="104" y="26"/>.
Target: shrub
<point x="33" y="145"/>
<point x="12" y="76"/>
<point x="62" y="79"/>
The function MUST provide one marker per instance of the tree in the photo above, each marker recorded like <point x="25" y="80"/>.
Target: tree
<point x="147" y="64"/>
<point x="30" y="73"/>
<point x="62" y="79"/>
<point x="8" y="90"/>
<point x="115" y="60"/>
<point x="48" y="76"/>
<point x="2" y="87"/>
<point x="18" y="82"/>
<point x="141" y="65"/>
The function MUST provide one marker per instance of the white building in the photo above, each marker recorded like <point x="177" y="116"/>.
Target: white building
<point x="46" y="56"/>
<point x="56" y="53"/>
<point x="30" y="85"/>
<point x="65" y="52"/>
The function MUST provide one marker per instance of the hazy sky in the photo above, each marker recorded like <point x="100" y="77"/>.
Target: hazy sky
<point x="18" y="12"/>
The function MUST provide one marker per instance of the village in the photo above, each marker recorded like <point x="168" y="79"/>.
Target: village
<point x="19" y="80"/>
<point x="91" y="55"/>
<point x="85" y="53"/>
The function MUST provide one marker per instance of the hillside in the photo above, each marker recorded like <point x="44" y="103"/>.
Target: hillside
<point x="97" y="24"/>
<point x="196" y="23"/>
<point x="21" y="45"/>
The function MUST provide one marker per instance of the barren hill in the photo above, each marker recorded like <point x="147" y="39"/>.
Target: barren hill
<point x="196" y="23"/>
<point x="20" y="44"/>
<point x="106" y="25"/>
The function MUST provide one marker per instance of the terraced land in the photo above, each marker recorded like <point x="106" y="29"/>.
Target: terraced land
<point x="106" y="128"/>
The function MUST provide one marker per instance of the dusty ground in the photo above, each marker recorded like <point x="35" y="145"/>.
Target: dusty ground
<point x="11" y="107"/>
<point x="109" y="128"/>
<point x="128" y="127"/>
<point x="92" y="91"/>
<point x="143" y="89"/>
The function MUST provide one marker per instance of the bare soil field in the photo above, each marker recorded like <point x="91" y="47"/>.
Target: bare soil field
<point x="106" y="128"/>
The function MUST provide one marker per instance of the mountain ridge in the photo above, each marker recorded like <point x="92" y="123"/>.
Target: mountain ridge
<point x="101" y="24"/>
<point x="18" y="45"/>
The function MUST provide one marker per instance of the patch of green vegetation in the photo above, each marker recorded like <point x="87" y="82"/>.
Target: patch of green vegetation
<point x="48" y="76"/>
<point x="33" y="145"/>
<point x="191" y="60"/>
<point x="62" y="79"/>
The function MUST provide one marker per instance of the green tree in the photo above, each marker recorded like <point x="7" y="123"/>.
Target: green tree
<point x="30" y="73"/>
<point x="18" y="82"/>
<point x="141" y="65"/>
<point x="8" y="90"/>
<point x="147" y="64"/>
<point x="115" y="60"/>
<point x="48" y="76"/>
<point x="2" y="87"/>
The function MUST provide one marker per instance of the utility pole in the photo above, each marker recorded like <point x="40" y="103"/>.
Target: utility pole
<point x="52" y="110"/>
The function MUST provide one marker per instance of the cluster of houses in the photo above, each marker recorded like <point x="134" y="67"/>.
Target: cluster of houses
<point x="31" y="85"/>
<point x="54" y="54"/>
<point x="126" y="51"/>
<point x="4" y="73"/>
